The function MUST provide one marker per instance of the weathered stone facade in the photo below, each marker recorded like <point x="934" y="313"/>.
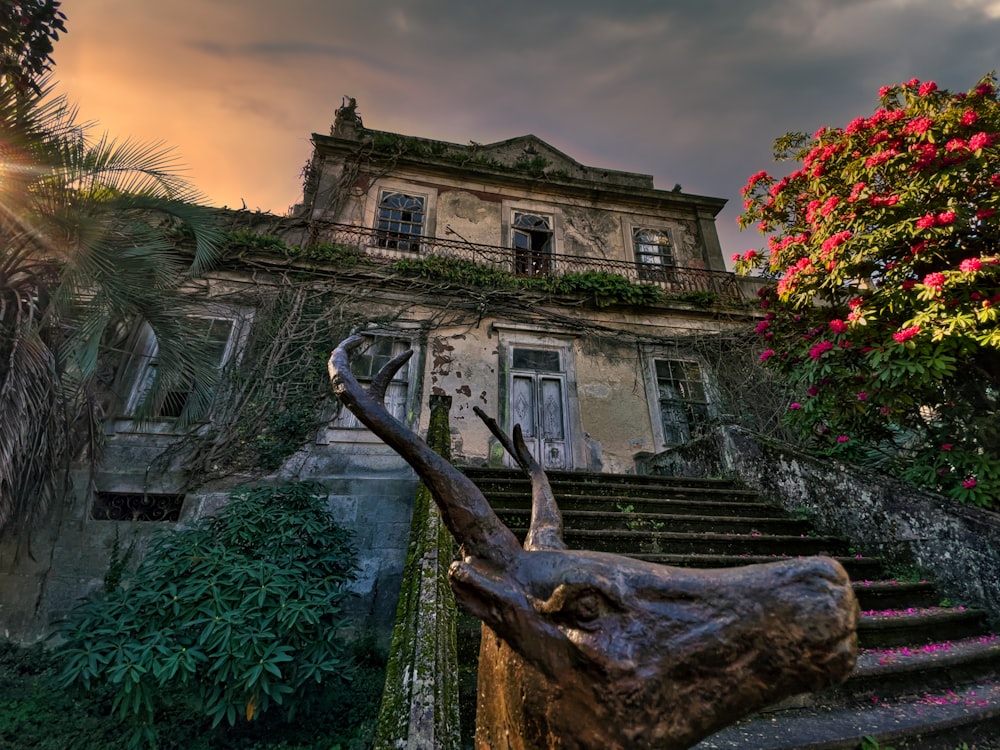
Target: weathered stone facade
<point x="595" y="378"/>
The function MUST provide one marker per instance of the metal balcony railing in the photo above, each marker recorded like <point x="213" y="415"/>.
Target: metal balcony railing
<point x="387" y="247"/>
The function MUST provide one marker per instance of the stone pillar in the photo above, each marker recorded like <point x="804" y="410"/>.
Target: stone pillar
<point x="420" y="700"/>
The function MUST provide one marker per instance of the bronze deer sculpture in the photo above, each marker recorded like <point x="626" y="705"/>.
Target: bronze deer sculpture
<point x="596" y="651"/>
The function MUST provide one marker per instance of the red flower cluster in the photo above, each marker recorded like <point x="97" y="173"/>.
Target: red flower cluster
<point x="906" y="334"/>
<point x="838" y="326"/>
<point x="820" y="349"/>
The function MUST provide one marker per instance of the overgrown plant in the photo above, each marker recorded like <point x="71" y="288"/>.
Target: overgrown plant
<point x="231" y="617"/>
<point x="884" y="242"/>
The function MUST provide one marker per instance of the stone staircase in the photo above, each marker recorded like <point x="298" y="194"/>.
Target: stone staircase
<point x="927" y="675"/>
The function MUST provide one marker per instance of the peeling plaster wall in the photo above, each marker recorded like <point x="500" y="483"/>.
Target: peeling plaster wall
<point x="959" y="544"/>
<point x="613" y="413"/>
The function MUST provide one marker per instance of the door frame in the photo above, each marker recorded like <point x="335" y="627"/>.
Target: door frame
<point x="533" y="337"/>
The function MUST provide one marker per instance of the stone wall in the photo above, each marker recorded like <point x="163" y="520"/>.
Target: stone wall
<point x="370" y="494"/>
<point x="957" y="544"/>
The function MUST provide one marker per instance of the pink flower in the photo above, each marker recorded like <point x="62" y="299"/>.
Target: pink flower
<point x="762" y="326"/>
<point x="735" y="257"/>
<point x="855" y="125"/>
<point x="812" y="390"/>
<point x="820" y="349"/>
<point x="754" y="179"/>
<point x="985" y="213"/>
<point x="880" y="158"/>
<point x="946" y="217"/>
<point x="842" y="438"/>
<point x="946" y="446"/>
<point x="955" y="144"/>
<point x="934" y="280"/>
<point x="884" y="91"/>
<point x="906" y="334"/>
<point x="829" y="205"/>
<point x="980" y="140"/>
<point x="918" y="125"/>
<point x="926" y="221"/>
<point x="766" y="354"/>
<point x="795" y="405"/>
<point x="970" y="265"/>
<point x="884" y="200"/>
<point x="863" y="396"/>
<point x="969" y="483"/>
<point x="749" y="255"/>
<point x="969" y="117"/>
<point x="927" y="87"/>
<point x="838" y="326"/>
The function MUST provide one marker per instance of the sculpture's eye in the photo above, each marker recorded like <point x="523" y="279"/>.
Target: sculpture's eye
<point x="576" y="605"/>
<point x="588" y="607"/>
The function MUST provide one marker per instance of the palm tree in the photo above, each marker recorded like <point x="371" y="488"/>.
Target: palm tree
<point x="96" y="237"/>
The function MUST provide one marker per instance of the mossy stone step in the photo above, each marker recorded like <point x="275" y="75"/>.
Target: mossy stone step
<point x="927" y="721"/>
<point x="857" y="567"/>
<point x="937" y="666"/>
<point x="895" y="594"/>
<point x="625" y="542"/>
<point x="919" y="626"/>
<point x="651" y="492"/>
<point x="487" y="476"/>
<point x="614" y="503"/>
<point x="592" y="520"/>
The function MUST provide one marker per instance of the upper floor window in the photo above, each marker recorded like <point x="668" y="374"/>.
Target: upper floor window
<point x="399" y="220"/>
<point x="366" y="364"/>
<point x="531" y="237"/>
<point x="683" y="401"/>
<point x="215" y="333"/>
<point x="654" y="252"/>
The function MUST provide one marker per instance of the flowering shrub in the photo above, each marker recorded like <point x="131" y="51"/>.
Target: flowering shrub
<point x="884" y="243"/>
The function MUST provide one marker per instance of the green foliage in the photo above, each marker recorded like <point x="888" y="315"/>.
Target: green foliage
<point x="884" y="243"/>
<point x="343" y="256"/>
<point x="285" y="431"/>
<point x="456" y="271"/>
<point x="228" y="618"/>
<point x="96" y="237"/>
<point x="604" y="288"/>
<point x="37" y="713"/>
<point x="28" y="29"/>
<point x="247" y="239"/>
<point x="608" y="288"/>
<point x="698" y="299"/>
<point x="870" y="743"/>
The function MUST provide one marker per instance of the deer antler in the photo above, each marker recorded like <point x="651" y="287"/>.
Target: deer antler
<point x="464" y="509"/>
<point x="546" y="527"/>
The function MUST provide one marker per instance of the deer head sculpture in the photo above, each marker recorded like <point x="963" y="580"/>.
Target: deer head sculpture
<point x="596" y="651"/>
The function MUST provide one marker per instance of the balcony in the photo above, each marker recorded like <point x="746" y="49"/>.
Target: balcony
<point x="388" y="247"/>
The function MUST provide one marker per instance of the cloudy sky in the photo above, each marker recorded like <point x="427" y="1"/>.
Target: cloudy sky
<point x="691" y="91"/>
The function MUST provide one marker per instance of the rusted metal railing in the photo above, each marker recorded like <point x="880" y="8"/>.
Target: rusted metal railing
<point x="385" y="246"/>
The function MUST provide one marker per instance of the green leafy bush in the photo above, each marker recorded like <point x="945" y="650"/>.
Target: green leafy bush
<point x="36" y="713"/>
<point x="228" y="618"/>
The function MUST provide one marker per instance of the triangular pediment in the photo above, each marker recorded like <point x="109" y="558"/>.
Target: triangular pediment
<point x="528" y="148"/>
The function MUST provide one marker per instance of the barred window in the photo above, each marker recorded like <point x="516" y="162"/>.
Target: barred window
<point x="654" y="251"/>
<point x="136" y="506"/>
<point x="366" y="364"/>
<point x="683" y="402"/>
<point x="399" y="222"/>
